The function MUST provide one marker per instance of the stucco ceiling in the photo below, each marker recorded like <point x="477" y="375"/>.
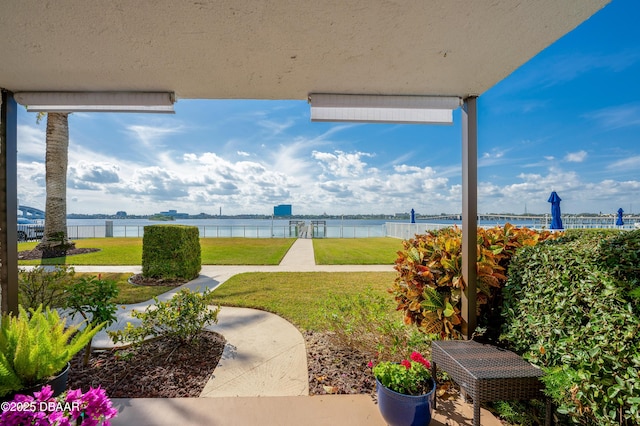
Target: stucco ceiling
<point x="279" y="49"/>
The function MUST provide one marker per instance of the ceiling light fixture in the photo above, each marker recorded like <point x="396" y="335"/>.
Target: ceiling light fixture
<point x="383" y="108"/>
<point x="151" y="102"/>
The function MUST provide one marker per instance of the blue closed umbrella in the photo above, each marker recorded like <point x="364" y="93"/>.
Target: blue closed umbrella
<point x="413" y="216"/>
<point x="556" y="221"/>
<point x="619" y="221"/>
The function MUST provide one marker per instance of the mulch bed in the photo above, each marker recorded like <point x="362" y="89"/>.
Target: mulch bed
<point x="156" y="369"/>
<point x="336" y="369"/>
<point x="37" y="254"/>
<point x="138" y="279"/>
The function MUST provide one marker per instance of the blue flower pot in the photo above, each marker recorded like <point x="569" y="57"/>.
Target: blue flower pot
<point x="405" y="410"/>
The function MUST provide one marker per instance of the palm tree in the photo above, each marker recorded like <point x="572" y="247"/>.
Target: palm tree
<point x="55" y="241"/>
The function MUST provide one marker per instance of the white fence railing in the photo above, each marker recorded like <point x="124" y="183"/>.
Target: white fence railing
<point x="390" y="229"/>
<point x="226" y="231"/>
<point x="406" y="231"/>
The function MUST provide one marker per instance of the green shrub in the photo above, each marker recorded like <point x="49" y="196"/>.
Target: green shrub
<point x="43" y="286"/>
<point x="567" y="312"/>
<point x="93" y="298"/>
<point x="368" y="323"/>
<point x="171" y="252"/>
<point x="429" y="283"/>
<point x="36" y="345"/>
<point x="182" y="318"/>
<point x="621" y="255"/>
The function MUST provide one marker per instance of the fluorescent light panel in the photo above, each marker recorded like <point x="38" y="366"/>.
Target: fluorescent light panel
<point x="383" y="108"/>
<point x="152" y="102"/>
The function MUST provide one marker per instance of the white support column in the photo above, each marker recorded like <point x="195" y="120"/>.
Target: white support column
<point x="8" y="203"/>
<point x="469" y="213"/>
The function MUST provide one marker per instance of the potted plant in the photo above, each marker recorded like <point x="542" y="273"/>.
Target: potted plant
<point x="405" y="391"/>
<point x="36" y="347"/>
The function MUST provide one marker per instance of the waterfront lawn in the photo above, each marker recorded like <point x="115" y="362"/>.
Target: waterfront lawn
<point x="244" y="251"/>
<point x="356" y="251"/>
<point x="297" y="296"/>
<point x="113" y="251"/>
<point x="215" y="251"/>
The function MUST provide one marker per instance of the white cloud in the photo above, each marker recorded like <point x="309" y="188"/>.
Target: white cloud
<point x="342" y="164"/>
<point x="84" y="175"/>
<point x="631" y="163"/>
<point x="275" y="127"/>
<point x="31" y="142"/>
<point x="151" y="135"/>
<point x="627" y="115"/>
<point x="576" y="157"/>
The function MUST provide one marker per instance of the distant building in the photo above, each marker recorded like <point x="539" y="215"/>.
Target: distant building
<point x="121" y="214"/>
<point x="282" y="210"/>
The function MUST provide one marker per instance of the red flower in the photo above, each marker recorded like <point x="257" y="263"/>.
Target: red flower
<point x="406" y="363"/>
<point x="417" y="357"/>
<point x="370" y="364"/>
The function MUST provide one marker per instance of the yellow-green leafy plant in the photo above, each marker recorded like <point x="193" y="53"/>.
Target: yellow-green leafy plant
<point x="429" y="283"/>
<point x="36" y="345"/>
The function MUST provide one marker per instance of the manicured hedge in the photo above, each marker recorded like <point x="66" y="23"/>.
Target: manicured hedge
<point x="171" y="252"/>
<point x="568" y="308"/>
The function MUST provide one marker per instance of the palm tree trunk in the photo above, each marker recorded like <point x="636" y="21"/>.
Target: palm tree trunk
<point x="55" y="241"/>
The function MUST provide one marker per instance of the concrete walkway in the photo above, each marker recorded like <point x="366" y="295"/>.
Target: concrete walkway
<point x="262" y="376"/>
<point x="300" y="255"/>
<point x="265" y="355"/>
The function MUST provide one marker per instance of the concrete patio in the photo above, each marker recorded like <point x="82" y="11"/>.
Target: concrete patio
<point x="334" y="410"/>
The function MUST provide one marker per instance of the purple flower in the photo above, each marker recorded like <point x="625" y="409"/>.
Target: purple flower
<point x="94" y="405"/>
<point x="45" y="393"/>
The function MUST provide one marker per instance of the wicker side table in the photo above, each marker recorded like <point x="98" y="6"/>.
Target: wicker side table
<point x="488" y="373"/>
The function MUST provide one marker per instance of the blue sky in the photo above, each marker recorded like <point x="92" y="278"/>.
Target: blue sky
<point x="568" y="120"/>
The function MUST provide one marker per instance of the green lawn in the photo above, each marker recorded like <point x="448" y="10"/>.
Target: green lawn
<point x="113" y="251"/>
<point x="244" y="251"/>
<point x="356" y="251"/>
<point x="215" y="251"/>
<point x="297" y="296"/>
<point x="234" y="251"/>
